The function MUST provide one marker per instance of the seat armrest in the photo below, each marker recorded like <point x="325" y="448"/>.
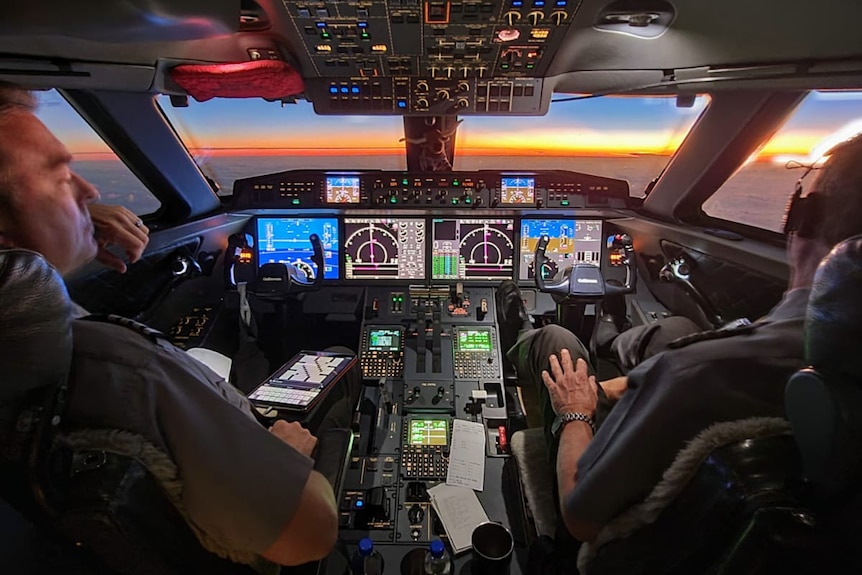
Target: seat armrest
<point x="331" y="456"/>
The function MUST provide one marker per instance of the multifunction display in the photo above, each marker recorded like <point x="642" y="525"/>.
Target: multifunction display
<point x="286" y="240"/>
<point x="342" y="190"/>
<point x="429" y="432"/>
<point x="384" y="340"/>
<point x="570" y="242"/>
<point x="384" y="248"/>
<point x="474" y="340"/>
<point x="517" y="190"/>
<point x="465" y="249"/>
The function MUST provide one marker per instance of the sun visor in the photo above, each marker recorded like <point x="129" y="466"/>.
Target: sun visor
<point x="270" y="79"/>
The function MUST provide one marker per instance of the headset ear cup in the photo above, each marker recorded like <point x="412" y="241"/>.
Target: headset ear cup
<point x="792" y="210"/>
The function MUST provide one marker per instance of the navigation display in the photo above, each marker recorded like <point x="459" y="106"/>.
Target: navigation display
<point x="429" y="432"/>
<point x="285" y="240"/>
<point x="384" y="340"/>
<point x="384" y="248"/>
<point x="342" y="190"/>
<point x="474" y="340"/>
<point x="570" y="242"/>
<point x="466" y="249"/>
<point x="517" y="190"/>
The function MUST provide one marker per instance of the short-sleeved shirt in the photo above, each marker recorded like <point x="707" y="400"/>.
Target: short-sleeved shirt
<point x="675" y="395"/>
<point x="241" y="484"/>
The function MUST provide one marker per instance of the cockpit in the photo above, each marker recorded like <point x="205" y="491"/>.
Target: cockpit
<point x="348" y="185"/>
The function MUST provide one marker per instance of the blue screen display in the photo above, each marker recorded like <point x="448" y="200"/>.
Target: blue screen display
<point x="285" y="240"/>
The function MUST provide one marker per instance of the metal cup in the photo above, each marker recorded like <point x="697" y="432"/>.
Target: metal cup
<point x="493" y="545"/>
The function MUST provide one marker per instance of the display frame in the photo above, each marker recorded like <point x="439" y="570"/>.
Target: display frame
<point x="419" y="418"/>
<point x="466" y="219"/>
<point x="569" y="218"/>
<point x="256" y="223"/>
<point x="426" y="250"/>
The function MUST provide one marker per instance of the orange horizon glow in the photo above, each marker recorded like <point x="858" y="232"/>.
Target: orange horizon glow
<point x="517" y="144"/>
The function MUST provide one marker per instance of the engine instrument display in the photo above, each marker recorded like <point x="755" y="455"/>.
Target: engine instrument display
<point x="384" y="248"/>
<point x="472" y="249"/>
<point x="285" y="240"/>
<point x="478" y="340"/>
<point x="570" y="242"/>
<point x="517" y="190"/>
<point x="342" y="190"/>
<point x="429" y="432"/>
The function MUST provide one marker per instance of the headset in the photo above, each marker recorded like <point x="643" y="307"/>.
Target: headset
<point x="802" y="215"/>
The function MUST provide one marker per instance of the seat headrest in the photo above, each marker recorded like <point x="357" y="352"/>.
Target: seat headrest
<point x="833" y="324"/>
<point x="35" y="324"/>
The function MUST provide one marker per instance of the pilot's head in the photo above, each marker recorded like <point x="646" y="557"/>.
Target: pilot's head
<point x="829" y="213"/>
<point x="43" y="203"/>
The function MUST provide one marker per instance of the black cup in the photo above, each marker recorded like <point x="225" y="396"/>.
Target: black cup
<point x="492" y="549"/>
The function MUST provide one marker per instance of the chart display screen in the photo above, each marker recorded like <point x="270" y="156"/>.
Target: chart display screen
<point x="465" y="249"/>
<point x="429" y="432"/>
<point x="285" y="240"/>
<point x="570" y="242"/>
<point x="384" y="340"/>
<point x="342" y="190"/>
<point x="384" y="248"/>
<point x="517" y="190"/>
<point x="478" y="340"/>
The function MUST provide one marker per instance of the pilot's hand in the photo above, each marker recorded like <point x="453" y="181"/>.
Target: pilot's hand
<point x="117" y="225"/>
<point x="295" y="436"/>
<point x="571" y="388"/>
<point x="616" y="387"/>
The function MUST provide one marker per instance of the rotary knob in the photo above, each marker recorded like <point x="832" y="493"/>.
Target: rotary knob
<point x="422" y="104"/>
<point x="444" y="94"/>
<point x="535" y="17"/>
<point x="512" y="17"/>
<point x="422" y="86"/>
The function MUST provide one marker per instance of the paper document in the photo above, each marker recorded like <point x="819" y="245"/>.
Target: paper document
<point x="459" y="511"/>
<point x="467" y="455"/>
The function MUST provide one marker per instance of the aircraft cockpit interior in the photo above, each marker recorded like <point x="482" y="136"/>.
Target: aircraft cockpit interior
<point x="392" y="193"/>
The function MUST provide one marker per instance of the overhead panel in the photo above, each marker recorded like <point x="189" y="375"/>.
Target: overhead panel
<point x="429" y="57"/>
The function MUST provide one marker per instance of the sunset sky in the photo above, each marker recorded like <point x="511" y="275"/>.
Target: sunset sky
<point x="594" y="127"/>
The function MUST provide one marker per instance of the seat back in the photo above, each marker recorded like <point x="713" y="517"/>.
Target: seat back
<point x="824" y="401"/>
<point x="102" y="499"/>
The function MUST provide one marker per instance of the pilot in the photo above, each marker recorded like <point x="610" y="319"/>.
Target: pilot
<point x="251" y="492"/>
<point x="702" y="379"/>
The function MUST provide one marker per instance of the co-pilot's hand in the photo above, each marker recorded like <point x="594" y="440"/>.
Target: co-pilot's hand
<point x="295" y="436"/>
<point x="117" y="225"/>
<point x="571" y="388"/>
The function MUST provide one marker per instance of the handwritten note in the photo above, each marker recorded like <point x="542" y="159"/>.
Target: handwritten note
<point x="467" y="455"/>
<point x="459" y="511"/>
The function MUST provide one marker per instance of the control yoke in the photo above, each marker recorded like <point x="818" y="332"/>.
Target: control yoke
<point x="276" y="280"/>
<point x="298" y="279"/>
<point x="584" y="281"/>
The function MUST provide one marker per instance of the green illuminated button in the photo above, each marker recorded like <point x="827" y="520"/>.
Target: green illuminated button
<point x="564" y="203"/>
<point x="455" y="183"/>
<point x="454" y="201"/>
<point x="295" y="201"/>
<point x="393" y="200"/>
<point x="405" y="181"/>
<point x="468" y="200"/>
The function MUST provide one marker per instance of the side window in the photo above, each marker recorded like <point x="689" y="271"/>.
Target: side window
<point x="94" y="160"/>
<point x="756" y="195"/>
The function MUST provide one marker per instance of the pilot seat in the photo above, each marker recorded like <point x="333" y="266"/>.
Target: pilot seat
<point x="762" y="495"/>
<point x="107" y="496"/>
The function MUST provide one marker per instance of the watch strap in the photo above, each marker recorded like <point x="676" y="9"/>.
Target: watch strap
<point x="570" y="416"/>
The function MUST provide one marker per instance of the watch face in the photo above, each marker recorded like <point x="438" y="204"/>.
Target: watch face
<point x="556" y="426"/>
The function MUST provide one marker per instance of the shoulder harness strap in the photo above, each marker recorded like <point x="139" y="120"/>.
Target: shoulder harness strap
<point x="709" y="335"/>
<point x="151" y="334"/>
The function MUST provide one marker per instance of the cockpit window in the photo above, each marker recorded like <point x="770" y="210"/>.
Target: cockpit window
<point x="239" y="138"/>
<point x="629" y="138"/>
<point x="94" y="160"/>
<point x="756" y="195"/>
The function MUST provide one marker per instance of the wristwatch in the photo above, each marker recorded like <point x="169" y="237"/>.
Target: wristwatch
<point x="561" y="420"/>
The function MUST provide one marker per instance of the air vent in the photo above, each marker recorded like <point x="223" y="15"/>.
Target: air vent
<point x="252" y="17"/>
<point x="642" y="18"/>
